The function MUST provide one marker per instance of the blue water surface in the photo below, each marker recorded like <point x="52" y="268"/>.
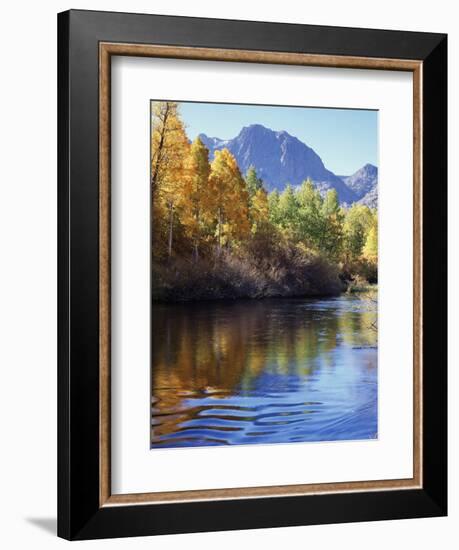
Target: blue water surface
<point x="267" y="371"/>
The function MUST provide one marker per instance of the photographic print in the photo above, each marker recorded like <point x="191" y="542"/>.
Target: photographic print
<point x="264" y="271"/>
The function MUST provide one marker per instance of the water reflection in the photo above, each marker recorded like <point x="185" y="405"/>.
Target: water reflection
<point x="269" y="371"/>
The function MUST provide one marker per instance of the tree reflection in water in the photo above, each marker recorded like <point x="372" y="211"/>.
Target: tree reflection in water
<point x="268" y="371"/>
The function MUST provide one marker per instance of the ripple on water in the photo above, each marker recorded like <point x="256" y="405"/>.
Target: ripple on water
<point x="263" y="372"/>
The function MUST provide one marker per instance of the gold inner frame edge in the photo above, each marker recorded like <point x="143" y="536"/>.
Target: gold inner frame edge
<point x="106" y="51"/>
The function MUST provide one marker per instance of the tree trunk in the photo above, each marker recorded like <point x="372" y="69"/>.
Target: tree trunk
<point x="219" y="249"/>
<point x="171" y="219"/>
<point x="196" y="236"/>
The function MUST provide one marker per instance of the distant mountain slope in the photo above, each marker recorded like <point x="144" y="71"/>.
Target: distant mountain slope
<point x="371" y="198"/>
<point x="364" y="184"/>
<point x="279" y="159"/>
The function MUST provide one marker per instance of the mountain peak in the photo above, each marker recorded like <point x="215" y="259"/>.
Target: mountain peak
<point x="254" y="127"/>
<point x="364" y="184"/>
<point x="254" y="131"/>
<point x="259" y="129"/>
<point x="279" y="158"/>
<point x="369" y="169"/>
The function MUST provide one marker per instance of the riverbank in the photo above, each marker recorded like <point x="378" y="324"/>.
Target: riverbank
<point x="359" y="286"/>
<point x="235" y="277"/>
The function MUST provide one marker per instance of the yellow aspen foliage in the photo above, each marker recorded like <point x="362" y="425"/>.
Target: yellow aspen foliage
<point x="370" y="250"/>
<point x="230" y="199"/>
<point x="259" y="210"/>
<point x="196" y="196"/>
<point x="167" y="133"/>
<point x="357" y="223"/>
<point x="169" y="150"/>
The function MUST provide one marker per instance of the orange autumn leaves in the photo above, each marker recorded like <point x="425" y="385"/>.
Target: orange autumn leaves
<point x="231" y="198"/>
<point x="197" y="205"/>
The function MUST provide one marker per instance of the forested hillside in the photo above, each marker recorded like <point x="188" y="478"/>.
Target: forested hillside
<point x="218" y="233"/>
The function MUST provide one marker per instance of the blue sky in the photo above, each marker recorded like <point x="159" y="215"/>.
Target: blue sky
<point x="345" y="139"/>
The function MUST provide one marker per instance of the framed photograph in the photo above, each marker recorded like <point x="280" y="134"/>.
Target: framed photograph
<point x="252" y="274"/>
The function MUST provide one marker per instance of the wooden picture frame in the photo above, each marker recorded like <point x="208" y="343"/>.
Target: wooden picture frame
<point x="86" y="506"/>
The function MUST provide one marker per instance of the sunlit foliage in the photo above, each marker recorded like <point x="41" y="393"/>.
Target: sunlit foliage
<point x="202" y="208"/>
